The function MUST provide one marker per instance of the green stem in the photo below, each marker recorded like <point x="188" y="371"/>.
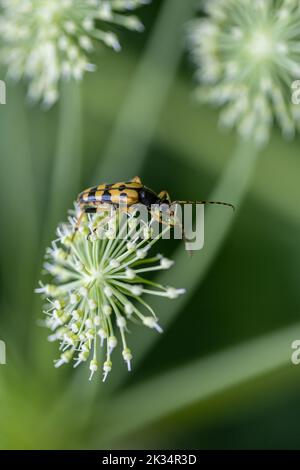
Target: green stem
<point x="19" y="214"/>
<point x="137" y="120"/>
<point x="232" y="187"/>
<point x="200" y="380"/>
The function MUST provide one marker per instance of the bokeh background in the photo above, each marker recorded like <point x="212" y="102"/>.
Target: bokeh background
<point x="221" y="375"/>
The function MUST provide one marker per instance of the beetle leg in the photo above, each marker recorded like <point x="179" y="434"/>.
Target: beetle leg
<point x="158" y="217"/>
<point x="164" y="197"/>
<point x="78" y="222"/>
<point x="175" y="222"/>
<point x="99" y="209"/>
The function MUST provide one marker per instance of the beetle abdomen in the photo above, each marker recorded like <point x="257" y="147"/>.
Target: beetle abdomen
<point x="116" y="194"/>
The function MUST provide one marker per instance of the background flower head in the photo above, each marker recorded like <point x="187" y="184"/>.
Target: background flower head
<point x="98" y="286"/>
<point x="247" y="55"/>
<point x="45" y="41"/>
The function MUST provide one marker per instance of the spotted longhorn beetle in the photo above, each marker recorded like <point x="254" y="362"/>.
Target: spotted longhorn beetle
<point x="129" y="194"/>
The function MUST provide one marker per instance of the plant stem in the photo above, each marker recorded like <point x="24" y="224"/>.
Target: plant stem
<point x="137" y="120"/>
<point x="128" y="143"/>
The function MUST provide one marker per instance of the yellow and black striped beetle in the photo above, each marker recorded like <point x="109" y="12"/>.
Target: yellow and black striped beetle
<point x="129" y="194"/>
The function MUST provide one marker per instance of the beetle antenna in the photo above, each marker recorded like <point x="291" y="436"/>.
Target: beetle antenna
<point x="205" y="202"/>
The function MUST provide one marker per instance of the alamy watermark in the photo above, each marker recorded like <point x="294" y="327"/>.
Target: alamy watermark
<point x="2" y="352"/>
<point x="296" y="92"/>
<point x="159" y="221"/>
<point x="2" y="92"/>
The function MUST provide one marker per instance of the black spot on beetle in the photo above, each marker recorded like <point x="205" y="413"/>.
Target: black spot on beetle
<point x="92" y="195"/>
<point x="90" y="210"/>
<point x="106" y="196"/>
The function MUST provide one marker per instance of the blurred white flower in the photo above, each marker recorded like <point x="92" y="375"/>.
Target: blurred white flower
<point x="247" y="54"/>
<point x="97" y="288"/>
<point x="44" y="41"/>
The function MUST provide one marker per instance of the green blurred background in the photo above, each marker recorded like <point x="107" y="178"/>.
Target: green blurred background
<point x="221" y="375"/>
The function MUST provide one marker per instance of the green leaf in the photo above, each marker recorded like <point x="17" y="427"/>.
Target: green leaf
<point x="145" y="403"/>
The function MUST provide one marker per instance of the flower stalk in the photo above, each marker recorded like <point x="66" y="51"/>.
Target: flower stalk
<point x="247" y="55"/>
<point x="98" y="287"/>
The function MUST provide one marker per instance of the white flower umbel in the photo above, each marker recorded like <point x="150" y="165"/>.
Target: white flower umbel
<point x="247" y="54"/>
<point x="44" y="41"/>
<point x="97" y="288"/>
